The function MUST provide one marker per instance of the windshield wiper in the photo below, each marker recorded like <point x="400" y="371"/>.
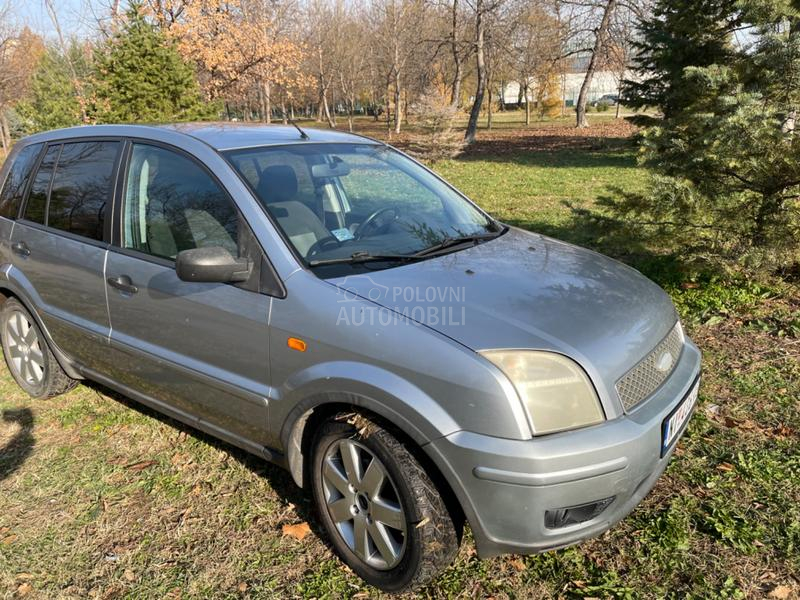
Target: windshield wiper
<point x="362" y="257"/>
<point x="450" y="242"/>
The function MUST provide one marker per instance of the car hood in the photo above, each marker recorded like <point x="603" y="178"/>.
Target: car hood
<point x="524" y="290"/>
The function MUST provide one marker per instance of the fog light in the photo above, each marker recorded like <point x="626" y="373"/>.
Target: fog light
<point x="562" y="517"/>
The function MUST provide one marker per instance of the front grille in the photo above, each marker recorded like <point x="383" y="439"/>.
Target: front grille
<point x="645" y="378"/>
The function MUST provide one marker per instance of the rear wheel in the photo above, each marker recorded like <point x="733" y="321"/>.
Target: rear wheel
<point x="29" y="359"/>
<point x="384" y="515"/>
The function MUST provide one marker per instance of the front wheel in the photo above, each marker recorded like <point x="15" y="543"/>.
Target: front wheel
<point x="384" y="515"/>
<point x="29" y="359"/>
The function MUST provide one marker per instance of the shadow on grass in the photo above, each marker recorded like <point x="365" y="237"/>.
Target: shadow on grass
<point x="554" y="151"/>
<point x="278" y="478"/>
<point x="14" y="453"/>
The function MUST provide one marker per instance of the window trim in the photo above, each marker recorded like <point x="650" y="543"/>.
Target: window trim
<point x="116" y="234"/>
<point x="24" y="208"/>
<point x="105" y="242"/>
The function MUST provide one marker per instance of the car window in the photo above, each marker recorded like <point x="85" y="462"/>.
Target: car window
<point x="18" y="175"/>
<point x="172" y="204"/>
<point x="370" y="186"/>
<point x="366" y="199"/>
<point x="81" y="188"/>
<point x="36" y="207"/>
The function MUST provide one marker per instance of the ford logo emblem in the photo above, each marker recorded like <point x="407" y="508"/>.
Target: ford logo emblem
<point x="664" y="363"/>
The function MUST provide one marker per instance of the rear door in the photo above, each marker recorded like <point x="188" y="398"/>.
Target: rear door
<point x="202" y="348"/>
<point x="59" y="244"/>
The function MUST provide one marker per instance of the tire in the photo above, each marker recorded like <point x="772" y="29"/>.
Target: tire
<point x="28" y="357"/>
<point x="407" y="533"/>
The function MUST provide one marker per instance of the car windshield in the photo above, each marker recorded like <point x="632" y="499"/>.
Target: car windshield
<point x="348" y="204"/>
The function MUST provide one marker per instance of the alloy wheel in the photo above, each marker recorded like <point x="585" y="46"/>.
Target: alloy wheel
<point x="363" y="503"/>
<point x="25" y="349"/>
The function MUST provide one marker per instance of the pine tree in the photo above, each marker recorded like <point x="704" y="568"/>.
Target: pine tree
<point x="141" y="77"/>
<point x="725" y="156"/>
<point x="679" y="34"/>
<point x="52" y="100"/>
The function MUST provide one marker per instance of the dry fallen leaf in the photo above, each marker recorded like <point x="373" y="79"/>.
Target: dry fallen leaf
<point x="298" y="531"/>
<point x="242" y="587"/>
<point x="727" y="467"/>
<point x="517" y="564"/>
<point x="129" y="575"/>
<point x="9" y="539"/>
<point x="24" y="589"/>
<point x="781" y="592"/>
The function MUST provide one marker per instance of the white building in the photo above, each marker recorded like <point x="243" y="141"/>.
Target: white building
<point x="603" y="83"/>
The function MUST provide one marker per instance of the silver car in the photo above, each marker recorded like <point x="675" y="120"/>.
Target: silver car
<point x="329" y="304"/>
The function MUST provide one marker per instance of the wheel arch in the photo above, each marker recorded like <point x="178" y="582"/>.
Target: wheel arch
<point x="9" y="290"/>
<point x="299" y="434"/>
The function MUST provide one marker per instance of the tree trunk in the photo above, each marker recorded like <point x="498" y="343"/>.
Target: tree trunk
<point x="480" y="59"/>
<point x="489" y="104"/>
<point x="502" y="96"/>
<point x="327" y="111"/>
<point x="455" y="91"/>
<point x="527" y="106"/>
<point x="267" y="102"/>
<point x="398" y="114"/>
<point x="351" y="105"/>
<point x="4" y="136"/>
<point x="599" y="45"/>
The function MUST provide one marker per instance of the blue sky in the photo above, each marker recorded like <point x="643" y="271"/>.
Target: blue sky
<point x="77" y="17"/>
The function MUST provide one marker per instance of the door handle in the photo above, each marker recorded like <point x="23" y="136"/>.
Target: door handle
<point x="20" y="248"/>
<point x="122" y="283"/>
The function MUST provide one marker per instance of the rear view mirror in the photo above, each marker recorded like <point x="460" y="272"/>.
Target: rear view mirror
<point x="338" y="168"/>
<point x="211" y="265"/>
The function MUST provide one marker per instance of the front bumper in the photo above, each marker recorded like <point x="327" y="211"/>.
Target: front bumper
<point x="506" y="486"/>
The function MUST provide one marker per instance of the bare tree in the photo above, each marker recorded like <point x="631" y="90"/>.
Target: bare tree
<point x="484" y="11"/>
<point x="397" y="25"/>
<point x="19" y="53"/>
<point x="77" y="82"/>
<point x="601" y="37"/>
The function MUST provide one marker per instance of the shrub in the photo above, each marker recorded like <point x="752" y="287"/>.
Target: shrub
<point x="438" y="140"/>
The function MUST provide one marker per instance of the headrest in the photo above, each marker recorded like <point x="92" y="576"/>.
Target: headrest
<point x="278" y="183"/>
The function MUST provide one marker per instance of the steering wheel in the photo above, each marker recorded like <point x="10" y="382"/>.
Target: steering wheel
<point x="372" y="221"/>
<point x="322" y="244"/>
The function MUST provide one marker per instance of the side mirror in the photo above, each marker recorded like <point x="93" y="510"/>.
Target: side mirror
<point x="211" y="265"/>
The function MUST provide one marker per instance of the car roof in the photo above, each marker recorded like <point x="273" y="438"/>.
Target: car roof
<point x="219" y="135"/>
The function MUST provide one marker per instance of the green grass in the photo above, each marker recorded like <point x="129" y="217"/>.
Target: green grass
<point x="533" y="189"/>
<point x="101" y="498"/>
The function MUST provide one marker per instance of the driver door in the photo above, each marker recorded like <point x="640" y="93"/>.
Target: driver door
<point x="200" y="348"/>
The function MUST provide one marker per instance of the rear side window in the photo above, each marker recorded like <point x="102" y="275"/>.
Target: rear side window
<point x="36" y="208"/>
<point x="18" y="175"/>
<point x="81" y="188"/>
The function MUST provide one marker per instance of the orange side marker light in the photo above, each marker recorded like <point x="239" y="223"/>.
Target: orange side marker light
<point x="296" y="344"/>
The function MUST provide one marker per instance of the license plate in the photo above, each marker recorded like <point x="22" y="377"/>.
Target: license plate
<point x="673" y="424"/>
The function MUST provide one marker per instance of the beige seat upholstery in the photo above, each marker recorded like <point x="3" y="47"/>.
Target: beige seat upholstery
<point x="207" y="231"/>
<point x="277" y="190"/>
<point x="299" y="223"/>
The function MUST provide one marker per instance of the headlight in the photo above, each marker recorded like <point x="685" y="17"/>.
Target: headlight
<point x="556" y="392"/>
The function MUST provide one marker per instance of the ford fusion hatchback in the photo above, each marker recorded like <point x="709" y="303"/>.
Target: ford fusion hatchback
<point x="331" y="305"/>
